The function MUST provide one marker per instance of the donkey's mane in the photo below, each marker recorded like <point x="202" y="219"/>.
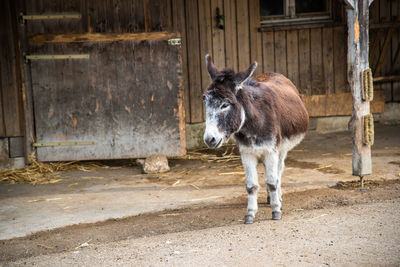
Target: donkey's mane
<point x="228" y="75"/>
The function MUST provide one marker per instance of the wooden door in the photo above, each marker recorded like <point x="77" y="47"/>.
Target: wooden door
<point x="117" y="99"/>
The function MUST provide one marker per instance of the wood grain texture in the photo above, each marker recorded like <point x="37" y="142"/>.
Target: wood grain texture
<point x="305" y="62"/>
<point x="395" y="60"/>
<point x="243" y="36"/>
<point x="339" y="104"/>
<point x="205" y="24"/>
<point x="268" y="45"/>
<point x="293" y="57"/>
<point x="280" y="52"/>
<point x="339" y="64"/>
<point x="100" y="37"/>
<point x="218" y="35"/>
<point x="114" y="101"/>
<point x="194" y="71"/>
<point x="57" y="26"/>
<point x="179" y="25"/>
<point x="383" y="65"/>
<point x="316" y="62"/>
<point x="231" y="50"/>
<point x="11" y="104"/>
<point x="255" y="35"/>
<point x="327" y="60"/>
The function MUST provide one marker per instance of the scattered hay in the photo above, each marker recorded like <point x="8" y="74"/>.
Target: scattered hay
<point x="47" y="173"/>
<point x="228" y="154"/>
<point x="355" y="184"/>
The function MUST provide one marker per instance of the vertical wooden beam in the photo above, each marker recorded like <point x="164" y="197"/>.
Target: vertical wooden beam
<point x="179" y="24"/>
<point x="268" y="51"/>
<point x="243" y="36"/>
<point x="255" y="35"/>
<point x="357" y="61"/>
<point x="231" y="53"/>
<point x="194" y="70"/>
<point x="26" y="84"/>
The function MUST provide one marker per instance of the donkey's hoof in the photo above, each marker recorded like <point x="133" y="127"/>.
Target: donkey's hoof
<point x="268" y="200"/>
<point x="276" y="215"/>
<point x="248" y="219"/>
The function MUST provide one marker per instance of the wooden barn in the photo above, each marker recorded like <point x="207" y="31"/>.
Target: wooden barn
<point x="110" y="79"/>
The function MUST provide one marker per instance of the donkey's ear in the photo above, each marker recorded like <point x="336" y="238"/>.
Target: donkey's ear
<point x="242" y="76"/>
<point x="212" y="70"/>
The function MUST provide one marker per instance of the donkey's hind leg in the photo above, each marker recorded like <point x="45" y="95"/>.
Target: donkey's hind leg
<point x="281" y="168"/>
<point x="250" y="165"/>
<point x="271" y="164"/>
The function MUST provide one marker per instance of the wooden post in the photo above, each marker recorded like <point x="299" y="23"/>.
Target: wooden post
<point x="26" y="83"/>
<point x="357" y="61"/>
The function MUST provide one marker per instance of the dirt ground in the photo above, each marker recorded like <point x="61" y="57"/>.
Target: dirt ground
<point x="341" y="225"/>
<point x="325" y="222"/>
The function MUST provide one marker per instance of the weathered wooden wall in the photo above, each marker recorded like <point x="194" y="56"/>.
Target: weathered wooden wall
<point x="314" y="58"/>
<point x="11" y="114"/>
<point x="385" y="46"/>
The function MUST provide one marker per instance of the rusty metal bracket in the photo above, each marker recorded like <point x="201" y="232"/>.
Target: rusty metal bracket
<point x="23" y="18"/>
<point x="44" y="144"/>
<point x="174" y="41"/>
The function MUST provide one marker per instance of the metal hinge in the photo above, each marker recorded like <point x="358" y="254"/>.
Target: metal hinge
<point x="23" y="18"/>
<point x="83" y="143"/>
<point x="73" y="56"/>
<point x="174" y="41"/>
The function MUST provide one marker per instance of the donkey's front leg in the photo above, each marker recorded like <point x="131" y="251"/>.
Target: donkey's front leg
<point x="271" y="164"/>
<point x="250" y="165"/>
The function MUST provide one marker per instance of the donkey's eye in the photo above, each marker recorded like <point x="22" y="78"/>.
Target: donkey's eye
<point x="224" y="106"/>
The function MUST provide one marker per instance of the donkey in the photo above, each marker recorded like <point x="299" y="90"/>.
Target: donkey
<point x="267" y="120"/>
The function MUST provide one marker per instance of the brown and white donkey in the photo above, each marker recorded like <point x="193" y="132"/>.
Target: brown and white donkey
<point x="267" y="119"/>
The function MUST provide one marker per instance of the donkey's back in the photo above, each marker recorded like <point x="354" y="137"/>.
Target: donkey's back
<point x="291" y="113"/>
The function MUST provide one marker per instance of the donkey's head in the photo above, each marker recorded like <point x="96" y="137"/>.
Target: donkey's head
<point x="224" y="113"/>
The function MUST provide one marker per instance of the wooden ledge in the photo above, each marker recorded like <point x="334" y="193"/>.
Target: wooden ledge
<point x="100" y="37"/>
<point x="339" y="104"/>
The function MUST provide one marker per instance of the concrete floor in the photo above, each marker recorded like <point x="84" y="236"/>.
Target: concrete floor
<point x="82" y="197"/>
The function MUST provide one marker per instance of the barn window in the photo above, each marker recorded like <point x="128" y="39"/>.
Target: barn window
<point x="281" y="12"/>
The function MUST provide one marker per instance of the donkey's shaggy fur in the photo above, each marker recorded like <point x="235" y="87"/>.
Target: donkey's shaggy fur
<point x="267" y="119"/>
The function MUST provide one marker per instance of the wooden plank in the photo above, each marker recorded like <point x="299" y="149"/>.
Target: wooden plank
<point x="305" y="59"/>
<point x="26" y="85"/>
<point x="218" y="38"/>
<point x="280" y="52"/>
<point x="255" y="35"/>
<point x="395" y="63"/>
<point x="2" y="125"/>
<point x="100" y="37"/>
<point x="205" y="24"/>
<point x="339" y="104"/>
<point x="357" y="61"/>
<point x="383" y="66"/>
<point x="56" y="7"/>
<point x="12" y="102"/>
<point x="242" y="15"/>
<point x="268" y="51"/>
<point x="316" y="62"/>
<point x="102" y="100"/>
<point x="194" y="70"/>
<point x="179" y="25"/>
<point x="327" y="55"/>
<point x="231" y="51"/>
<point x="117" y="16"/>
<point x="293" y="57"/>
<point x="339" y="64"/>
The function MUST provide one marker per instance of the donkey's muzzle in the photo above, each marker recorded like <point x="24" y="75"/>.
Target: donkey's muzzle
<point x="211" y="142"/>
